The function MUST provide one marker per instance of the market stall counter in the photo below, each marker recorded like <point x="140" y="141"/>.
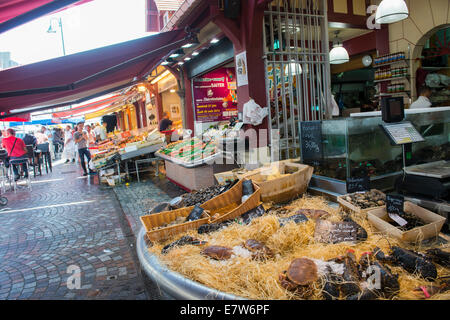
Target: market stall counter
<point x="192" y="163"/>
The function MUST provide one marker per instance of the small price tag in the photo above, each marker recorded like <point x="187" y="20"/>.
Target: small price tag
<point x="394" y="208"/>
<point x="357" y="184"/>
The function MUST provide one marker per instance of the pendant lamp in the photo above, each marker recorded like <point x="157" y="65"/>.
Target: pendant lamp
<point x="338" y="54"/>
<point x="390" y="11"/>
<point x="294" y="67"/>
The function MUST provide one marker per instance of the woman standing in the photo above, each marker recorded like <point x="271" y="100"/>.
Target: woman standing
<point x="69" y="145"/>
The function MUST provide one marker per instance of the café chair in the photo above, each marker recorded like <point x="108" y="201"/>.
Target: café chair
<point x="46" y="157"/>
<point x="17" y="162"/>
<point x="3" y="170"/>
<point x="33" y="159"/>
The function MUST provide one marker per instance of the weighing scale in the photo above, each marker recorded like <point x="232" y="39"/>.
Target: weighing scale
<point x="427" y="185"/>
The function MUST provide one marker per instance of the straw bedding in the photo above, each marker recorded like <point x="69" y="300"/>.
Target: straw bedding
<point x="259" y="279"/>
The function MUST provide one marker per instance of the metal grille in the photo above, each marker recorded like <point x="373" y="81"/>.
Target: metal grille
<point x="297" y="68"/>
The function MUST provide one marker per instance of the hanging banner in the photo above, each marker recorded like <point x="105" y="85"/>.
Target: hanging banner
<point x="215" y="96"/>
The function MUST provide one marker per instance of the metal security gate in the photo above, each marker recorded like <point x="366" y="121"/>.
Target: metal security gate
<point x="297" y="69"/>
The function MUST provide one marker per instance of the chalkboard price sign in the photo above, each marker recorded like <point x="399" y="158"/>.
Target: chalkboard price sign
<point x="357" y="184"/>
<point x="311" y="139"/>
<point x="394" y="208"/>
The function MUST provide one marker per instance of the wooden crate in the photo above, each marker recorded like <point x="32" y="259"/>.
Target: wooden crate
<point x="284" y="188"/>
<point x="234" y="195"/>
<point x="153" y="221"/>
<point x="350" y="206"/>
<point x="380" y="220"/>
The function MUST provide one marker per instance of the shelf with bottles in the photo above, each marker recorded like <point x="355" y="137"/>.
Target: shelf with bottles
<point x="391" y="73"/>
<point x="389" y="59"/>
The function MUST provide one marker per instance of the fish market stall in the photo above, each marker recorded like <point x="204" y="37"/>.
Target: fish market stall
<point x="303" y="250"/>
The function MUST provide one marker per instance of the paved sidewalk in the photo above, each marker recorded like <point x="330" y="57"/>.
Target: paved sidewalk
<point x="138" y="198"/>
<point x="67" y="222"/>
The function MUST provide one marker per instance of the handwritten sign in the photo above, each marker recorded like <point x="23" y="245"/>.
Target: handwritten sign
<point x="311" y="140"/>
<point x="357" y="184"/>
<point x="335" y="232"/>
<point x="394" y="208"/>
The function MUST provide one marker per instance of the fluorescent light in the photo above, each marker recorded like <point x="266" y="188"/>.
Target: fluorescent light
<point x="172" y="90"/>
<point x="187" y="59"/>
<point x="187" y="45"/>
<point x="195" y="53"/>
<point x="177" y="53"/>
<point x="163" y="75"/>
<point x="390" y="11"/>
<point x="215" y="40"/>
<point x="180" y="63"/>
<point x="165" y="63"/>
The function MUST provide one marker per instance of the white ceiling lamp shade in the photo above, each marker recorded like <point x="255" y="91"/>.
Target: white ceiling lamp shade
<point x="294" y="68"/>
<point x="390" y="11"/>
<point x="338" y="54"/>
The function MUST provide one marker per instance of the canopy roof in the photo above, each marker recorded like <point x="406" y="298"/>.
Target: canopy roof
<point x="82" y="76"/>
<point x="17" y="12"/>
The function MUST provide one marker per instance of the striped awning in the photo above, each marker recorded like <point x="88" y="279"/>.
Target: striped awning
<point x="168" y="5"/>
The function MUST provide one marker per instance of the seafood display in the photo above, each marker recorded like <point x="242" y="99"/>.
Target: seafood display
<point x="190" y="150"/>
<point x="272" y="253"/>
<point x="368" y="199"/>
<point x="203" y="195"/>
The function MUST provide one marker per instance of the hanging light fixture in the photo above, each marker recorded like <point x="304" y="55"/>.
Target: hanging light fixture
<point x="390" y="11"/>
<point x="294" y="67"/>
<point x="338" y="54"/>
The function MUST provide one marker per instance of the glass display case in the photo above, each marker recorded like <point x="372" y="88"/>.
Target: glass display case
<point x="355" y="145"/>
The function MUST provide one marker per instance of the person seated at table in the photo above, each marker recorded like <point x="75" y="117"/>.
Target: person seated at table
<point x="16" y="150"/>
<point x="30" y="139"/>
<point x="41" y="136"/>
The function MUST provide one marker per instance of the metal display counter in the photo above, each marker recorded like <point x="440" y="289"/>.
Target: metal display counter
<point x="171" y="283"/>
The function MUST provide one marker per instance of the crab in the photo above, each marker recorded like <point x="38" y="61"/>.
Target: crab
<point x="299" y="276"/>
<point x="217" y="252"/>
<point x="258" y="249"/>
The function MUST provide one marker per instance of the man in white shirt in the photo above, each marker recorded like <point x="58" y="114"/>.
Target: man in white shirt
<point x="424" y="99"/>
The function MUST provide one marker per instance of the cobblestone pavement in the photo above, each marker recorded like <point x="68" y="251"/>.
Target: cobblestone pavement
<point x="67" y="222"/>
<point x="138" y="198"/>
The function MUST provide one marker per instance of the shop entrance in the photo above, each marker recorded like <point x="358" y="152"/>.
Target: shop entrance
<point x="297" y="68"/>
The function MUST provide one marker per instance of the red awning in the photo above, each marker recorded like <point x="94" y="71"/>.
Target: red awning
<point x="85" y="75"/>
<point x="23" y="118"/>
<point x="16" y="12"/>
<point x="90" y="107"/>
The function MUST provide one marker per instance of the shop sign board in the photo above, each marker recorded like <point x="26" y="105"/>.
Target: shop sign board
<point x="214" y="96"/>
<point x="241" y="69"/>
<point x="311" y="140"/>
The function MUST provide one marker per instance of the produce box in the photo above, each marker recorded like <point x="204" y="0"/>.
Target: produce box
<point x="434" y="222"/>
<point x="153" y="221"/>
<point x="281" y="182"/>
<point x="234" y="195"/>
<point x="354" y="208"/>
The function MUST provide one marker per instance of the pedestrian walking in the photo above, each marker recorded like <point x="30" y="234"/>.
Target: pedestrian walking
<point x="82" y="141"/>
<point x="69" y="145"/>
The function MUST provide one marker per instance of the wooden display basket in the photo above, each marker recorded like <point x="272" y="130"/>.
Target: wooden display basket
<point x="234" y="195"/>
<point x="153" y="221"/>
<point x="350" y="206"/>
<point x="284" y="188"/>
<point x="380" y="220"/>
